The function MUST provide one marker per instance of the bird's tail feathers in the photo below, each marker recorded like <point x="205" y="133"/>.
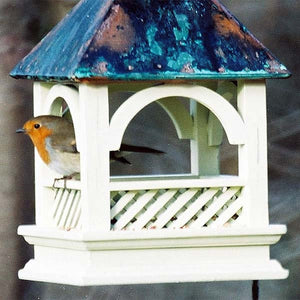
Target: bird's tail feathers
<point x="140" y="149"/>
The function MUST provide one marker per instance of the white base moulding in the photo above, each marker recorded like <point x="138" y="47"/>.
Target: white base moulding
<point x="151" y="256"/>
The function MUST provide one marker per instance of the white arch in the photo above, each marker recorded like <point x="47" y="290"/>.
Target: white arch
<point x="225" y="112"/>
<point x="71" y="96"/>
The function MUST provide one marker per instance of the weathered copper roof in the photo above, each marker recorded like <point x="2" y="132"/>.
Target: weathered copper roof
<point x="149" y="40"/>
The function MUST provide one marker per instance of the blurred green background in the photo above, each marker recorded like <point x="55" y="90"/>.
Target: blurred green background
<point x="23" y="24"/>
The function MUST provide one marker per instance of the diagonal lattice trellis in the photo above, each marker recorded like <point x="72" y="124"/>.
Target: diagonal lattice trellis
<point x="157" y="208"/>
<point x="175" y="208"/>
<point x="66" y="208"/>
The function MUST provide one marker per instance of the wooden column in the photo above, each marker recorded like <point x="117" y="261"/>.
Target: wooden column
<point x="43" y="195"/>
<point x="94" y="156"/>
<point x="253" y="155"/>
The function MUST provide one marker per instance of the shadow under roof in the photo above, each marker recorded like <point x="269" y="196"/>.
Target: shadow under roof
<point x="106" y="40"/>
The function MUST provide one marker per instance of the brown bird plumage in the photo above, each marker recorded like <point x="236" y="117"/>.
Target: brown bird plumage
<point x="54" y="138"/>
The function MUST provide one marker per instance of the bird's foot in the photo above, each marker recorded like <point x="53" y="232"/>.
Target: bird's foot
<point x="64" y="178"/>
<point x="75" y="176"/>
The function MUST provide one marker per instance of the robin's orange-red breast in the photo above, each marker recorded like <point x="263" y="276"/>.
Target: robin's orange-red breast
<point x="54" y="139"/>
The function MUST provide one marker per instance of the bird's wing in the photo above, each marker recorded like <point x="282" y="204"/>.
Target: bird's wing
<point x="64" y="145"/>
<point x="63" y="138"/>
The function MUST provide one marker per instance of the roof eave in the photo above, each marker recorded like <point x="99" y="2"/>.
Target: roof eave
<point x="153" y="77"/>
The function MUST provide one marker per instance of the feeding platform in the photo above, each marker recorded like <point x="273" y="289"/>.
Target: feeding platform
<point x="200" y="226"/>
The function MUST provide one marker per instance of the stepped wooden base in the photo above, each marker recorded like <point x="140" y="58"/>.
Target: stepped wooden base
<point x="152" y="256"/>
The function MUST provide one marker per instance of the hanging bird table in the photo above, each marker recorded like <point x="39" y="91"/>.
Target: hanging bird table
<point x="201" y="226"/>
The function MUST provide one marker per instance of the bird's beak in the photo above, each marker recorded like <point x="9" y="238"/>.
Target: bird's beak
<point x="21" y="130"/>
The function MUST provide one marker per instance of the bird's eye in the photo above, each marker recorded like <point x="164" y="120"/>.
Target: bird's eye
<point x="36" y="126"/>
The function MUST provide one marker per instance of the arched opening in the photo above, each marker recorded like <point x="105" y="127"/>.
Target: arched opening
<point x="152" y="127"/>
<point x="217" y="113"/>
<point x="63" y="100"/>
<point x="60" y="107"/>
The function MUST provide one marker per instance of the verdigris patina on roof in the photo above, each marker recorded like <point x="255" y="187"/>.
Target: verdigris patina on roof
<point x="104" y="40"/>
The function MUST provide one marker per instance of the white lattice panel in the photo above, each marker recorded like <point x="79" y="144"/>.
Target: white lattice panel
<point x="158" y="208"/>
<point x="176" y="208"/>
<point x="66" y="209"/>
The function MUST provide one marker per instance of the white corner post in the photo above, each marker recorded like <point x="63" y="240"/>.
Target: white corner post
<point x="94" y="157"/>
<point x="43" y="195"/>
<point x="251" y="100"/>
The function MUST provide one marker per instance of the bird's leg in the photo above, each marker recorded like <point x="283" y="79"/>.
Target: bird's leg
<point x="64" y="178"/>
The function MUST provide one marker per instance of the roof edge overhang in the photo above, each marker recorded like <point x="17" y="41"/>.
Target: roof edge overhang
<point x="155" y="77"/>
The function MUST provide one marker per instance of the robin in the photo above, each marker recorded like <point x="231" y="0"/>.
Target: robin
<point x="54" y="139"/>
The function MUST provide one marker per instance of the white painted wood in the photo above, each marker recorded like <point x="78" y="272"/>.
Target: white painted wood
<point x="217" y="203"/>
<point x="61" y="208"/>
<point x="253" y="155"/>
<point x="193" y="209"/>
<point x="239" y="222"/>
<point x="119" y="183"/>
<point x="122" y="183"/>
<point x="95" y="258"/>
<point x="228" y="91"/>
<point x="69" y="184"/>
<point x="228" y="116"/>
<point x="112" y="200"/>
<point x="185" y="272"/>
<point x="134" y="209"/>
<point x="214" y="130"/>
<point x="78" y="219"/>
<point x="94" y="157"/>
<point x="204" y="158"/>
<point x="56" y="203"/>
<point x="40" y="93"/>
<point x="73" y="208"/>
<point x="228" y="213"/>
<point x="43" y="195"/>
<point x="166" y="216"/>
<point x="122" y="202"/>
<point x="77" y="212"/>
<point x="122" y="239"/>
<point x="67" y="210"/>
<point x="157" y="183"/>
<point x="181" y="118"/>
<point x="160" y="201"/>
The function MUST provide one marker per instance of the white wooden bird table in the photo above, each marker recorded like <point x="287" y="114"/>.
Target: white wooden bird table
<point x="202" y="226"/>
